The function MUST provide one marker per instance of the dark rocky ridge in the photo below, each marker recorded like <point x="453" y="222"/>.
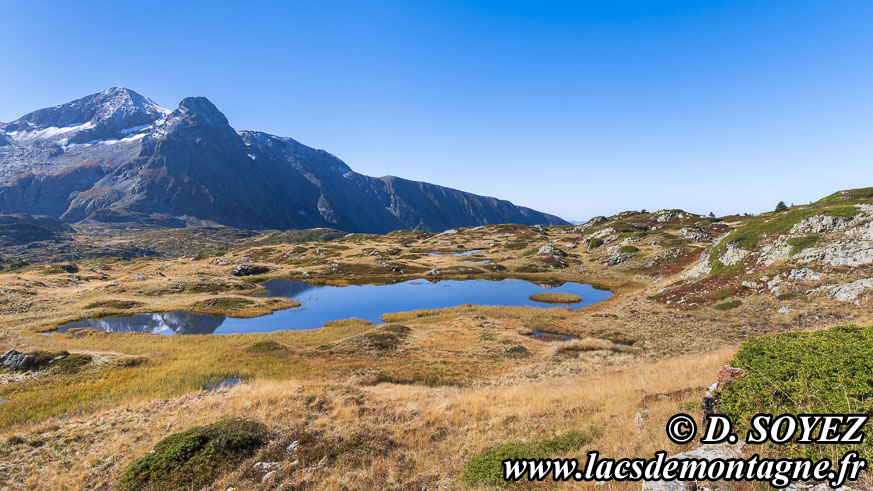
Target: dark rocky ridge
<point x="118" y="157"/>
<point x="24" y="229"/>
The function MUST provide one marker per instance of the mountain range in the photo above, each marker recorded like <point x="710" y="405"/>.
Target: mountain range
<point x="118" y="157"/>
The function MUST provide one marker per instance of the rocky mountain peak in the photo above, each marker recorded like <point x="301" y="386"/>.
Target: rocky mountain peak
<point x="200" y="110"/>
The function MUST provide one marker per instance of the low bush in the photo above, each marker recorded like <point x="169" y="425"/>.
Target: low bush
<point x="728" y="305"/>
<point x="821" y="372"/>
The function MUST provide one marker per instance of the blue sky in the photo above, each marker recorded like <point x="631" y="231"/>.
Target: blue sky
<point x="574" y="108"/>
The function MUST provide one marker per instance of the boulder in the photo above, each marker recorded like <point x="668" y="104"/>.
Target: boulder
<point x="694" y="234"/>
<point x="249" y="270"/>
<point x="552" y="250"/>
<point x="16" y="361"/>
<point x="849" y="292"/>
<point x="69" y="268"/>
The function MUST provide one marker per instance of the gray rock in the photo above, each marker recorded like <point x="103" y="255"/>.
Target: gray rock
<point x="706" y="452"/>
<point x="844" y="253"/>
<point x="819" y="224"/>
<point x="249" y="270"/>
<point x="849" y="292"/>
<point x="16" y="361"/>
<point x="733" y="255"/>
<point x="552" y="250"/>
<point x="694" y="234"/>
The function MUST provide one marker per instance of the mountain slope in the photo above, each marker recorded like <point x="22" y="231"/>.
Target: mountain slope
<point x="118" y="156"/>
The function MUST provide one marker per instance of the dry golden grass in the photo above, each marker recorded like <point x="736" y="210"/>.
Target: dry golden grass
<point x="427" y="433"/>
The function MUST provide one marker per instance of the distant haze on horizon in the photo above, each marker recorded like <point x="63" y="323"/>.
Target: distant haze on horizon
<point x="571" y="108"/>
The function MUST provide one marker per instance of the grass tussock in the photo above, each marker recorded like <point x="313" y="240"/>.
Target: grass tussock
<point x="562" y="298"/>
<point x="267" y="346"/>
<point x="114" y="304"/>
<point x="194" y="457"/>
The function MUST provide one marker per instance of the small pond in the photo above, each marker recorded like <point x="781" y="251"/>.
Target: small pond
<point x="322" y="304"/>
<point x="462" y="253"/>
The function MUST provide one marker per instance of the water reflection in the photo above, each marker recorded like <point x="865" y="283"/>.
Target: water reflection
<point x="321" y="304"/>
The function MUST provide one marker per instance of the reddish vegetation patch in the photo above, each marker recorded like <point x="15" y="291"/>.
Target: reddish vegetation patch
<point x="678" y="265"/>
<point x="698" y="293"/>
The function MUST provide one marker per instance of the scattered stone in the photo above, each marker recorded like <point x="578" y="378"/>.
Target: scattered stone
<point x="265" y="466"/>
<point x="784" y="310"/>
<point x="617" y="259"/>
<point x="221" y="261"/>
<point x="804" y="275"/>
<point x="433" y="272"/>
<point x="641" y="418"/>
<point x="694" y="234"/>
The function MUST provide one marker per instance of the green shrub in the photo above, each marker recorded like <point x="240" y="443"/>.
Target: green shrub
<point x="722" y="293"/>
<point x="595" y="243"/>
<point x="805" y="242"/>
<point x="515" y="245"/>
<point x="821" y="372"/>
<point x="486" y="467"/>
<point x="628" y="249"/>
<point x="196" y="456"/>
<point x="781" y="206"/>
<point x="728" y="305"/>
<point x="719" y="268"/>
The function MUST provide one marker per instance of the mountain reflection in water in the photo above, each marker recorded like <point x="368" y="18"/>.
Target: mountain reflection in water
<point x="168" y="323"/>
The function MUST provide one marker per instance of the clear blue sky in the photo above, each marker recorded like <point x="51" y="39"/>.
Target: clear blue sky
<point x="574" y="108"/>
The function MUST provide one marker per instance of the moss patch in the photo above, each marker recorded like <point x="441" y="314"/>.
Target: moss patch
<point x="196" y="456"/>
<point x="486" y="467"/>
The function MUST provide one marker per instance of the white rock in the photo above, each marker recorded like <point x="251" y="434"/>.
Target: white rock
<point x="733" y="255"/>
<point x="849" y="292"/>
<point x="804" y="274"/>
<point x="819" y="224"/>
<point x="845" y="253"/>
